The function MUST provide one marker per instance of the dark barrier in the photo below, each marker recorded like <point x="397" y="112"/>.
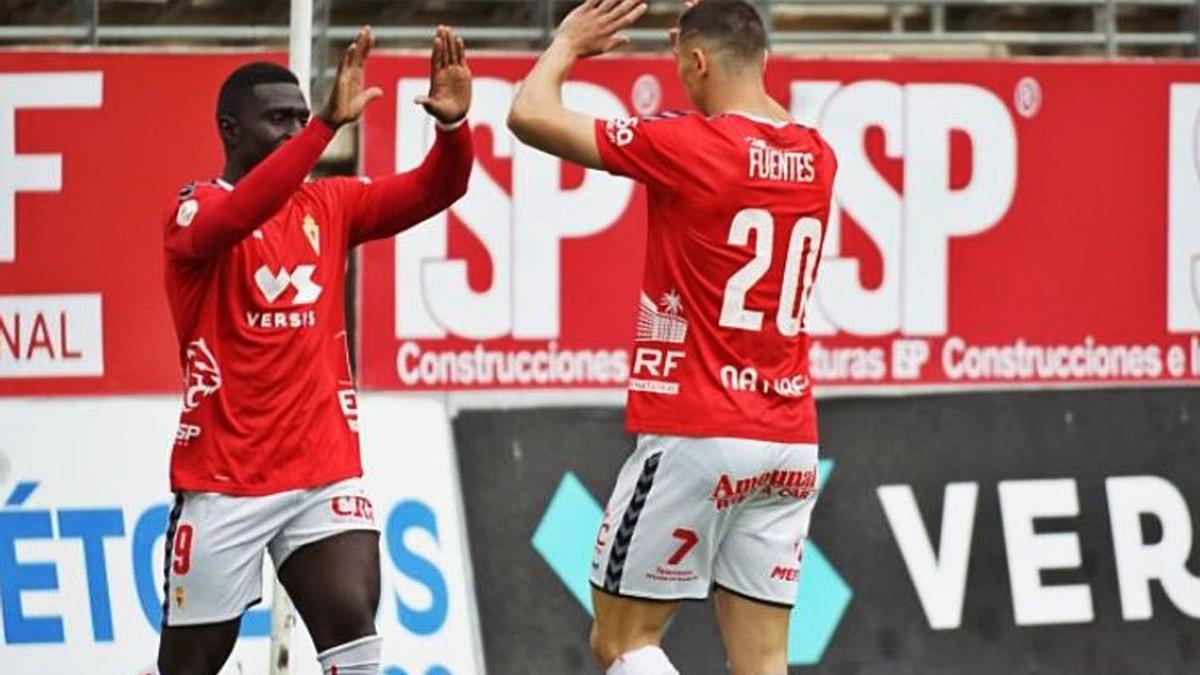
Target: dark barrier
<point x="985" y="533"/>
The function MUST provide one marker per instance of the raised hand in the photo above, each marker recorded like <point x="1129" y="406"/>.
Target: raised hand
<point x="592" y="28"/>
<point x="449" y="95"/>
<point x="347" y="98"/>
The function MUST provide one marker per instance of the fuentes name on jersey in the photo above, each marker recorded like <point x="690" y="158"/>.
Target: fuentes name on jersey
<point x="767" y="163"/>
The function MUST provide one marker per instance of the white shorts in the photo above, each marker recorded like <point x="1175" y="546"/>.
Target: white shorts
<point x="690" y="513"/>
<point x="215" y="544"/>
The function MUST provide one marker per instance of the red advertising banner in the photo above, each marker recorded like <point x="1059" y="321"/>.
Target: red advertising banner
<point x="93" y="149"/>
<point x="1010" y="223"/>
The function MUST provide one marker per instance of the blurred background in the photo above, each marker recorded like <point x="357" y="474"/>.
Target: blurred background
<point x="1005" y="333"/>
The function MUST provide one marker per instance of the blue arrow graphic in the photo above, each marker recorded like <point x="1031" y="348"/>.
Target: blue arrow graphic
<point x="566" y="536"/>
<point x="565" y="539"/>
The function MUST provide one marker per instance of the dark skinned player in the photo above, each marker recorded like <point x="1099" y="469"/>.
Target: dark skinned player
<point x="266" y="457"/>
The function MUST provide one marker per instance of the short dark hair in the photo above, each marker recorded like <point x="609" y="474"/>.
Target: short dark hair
<point x="257" y="72"/>
<point x="733" y="25"/>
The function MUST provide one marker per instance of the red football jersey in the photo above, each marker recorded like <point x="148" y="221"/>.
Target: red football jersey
<point x="738" y="208"/>
<point x="269" y="402"/>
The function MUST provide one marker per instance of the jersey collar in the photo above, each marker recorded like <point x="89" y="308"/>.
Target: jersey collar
<point x="755" y="118"/>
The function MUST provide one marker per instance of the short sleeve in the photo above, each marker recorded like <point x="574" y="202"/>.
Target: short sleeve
<point x="646" y="149"/>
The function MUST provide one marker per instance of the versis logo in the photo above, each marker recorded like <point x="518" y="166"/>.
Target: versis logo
<point x="273" y="284"/>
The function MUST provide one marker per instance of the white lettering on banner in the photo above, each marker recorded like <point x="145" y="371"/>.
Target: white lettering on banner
<point x="911" y="229"/>
<point x="1139" y="563"/>
<point x="1183" y="210"/>
<point x="485" y="367"/>
<point x="51" y="335"/>
<point x="908" y="356"/>
<point x="522" y="233"/>
<point x="940" y="578"/>
<point x="34" y="172"/>
<point x="1024" y="361"/>
<point x="1030" y="552"/>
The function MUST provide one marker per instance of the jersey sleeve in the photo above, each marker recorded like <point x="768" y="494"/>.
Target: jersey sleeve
<point x="202" y="230"/>
<point x="385" y="206"/>
<point x="647" y="149"/>
<point x="179" y="238"/>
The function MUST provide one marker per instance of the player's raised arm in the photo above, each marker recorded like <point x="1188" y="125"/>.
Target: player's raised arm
<point x="538" y="116"/>
<point x="268" y="151"/>
<point x="392" y="204"/>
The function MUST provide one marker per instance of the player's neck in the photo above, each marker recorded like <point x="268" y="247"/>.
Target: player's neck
<point x="232" y="173"/>
<point x="748" y="97"/>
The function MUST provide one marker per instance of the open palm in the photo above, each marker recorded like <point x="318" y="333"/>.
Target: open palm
<point x="347" y="99"/>
<point x="449" y="95"/>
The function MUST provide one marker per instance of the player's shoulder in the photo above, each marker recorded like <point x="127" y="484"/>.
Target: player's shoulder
<point x="332" y="192"/>
<point x="622" y="130"/>
<point x="190" y="196"/>
<point x="200" y="189"/>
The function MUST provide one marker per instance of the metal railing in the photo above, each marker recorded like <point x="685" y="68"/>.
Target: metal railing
<point x="897" y="22"/>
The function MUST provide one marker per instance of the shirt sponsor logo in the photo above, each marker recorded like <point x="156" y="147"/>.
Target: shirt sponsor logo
<point x="272" y="285"/>
<point x="202" y="375"/>
<point x="658" y="325"/>
<point x="657" y="363"/>
<point x="620" y="130"/>
<point x="186" y="433"/>
<point x="748" y="379"/>
<point x="671" y="574"/>
<point x="353" y="507"/>
<point x="661" y="326"/>
<point x="348" y="401"/>
<point x="785" y="573"/>
<point x="796" y="484"/>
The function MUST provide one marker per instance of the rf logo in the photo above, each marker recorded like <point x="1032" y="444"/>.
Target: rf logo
<point x="1183" y="224"/>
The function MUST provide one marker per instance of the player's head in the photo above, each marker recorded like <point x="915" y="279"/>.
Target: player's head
<point x="259" y="107"/>
<point x="719" y="41"/>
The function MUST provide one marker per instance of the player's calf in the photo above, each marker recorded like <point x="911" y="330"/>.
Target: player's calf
<point x="626" y="633"/>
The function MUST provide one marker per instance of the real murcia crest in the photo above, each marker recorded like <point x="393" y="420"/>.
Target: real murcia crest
<point x="313" y="232"/>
